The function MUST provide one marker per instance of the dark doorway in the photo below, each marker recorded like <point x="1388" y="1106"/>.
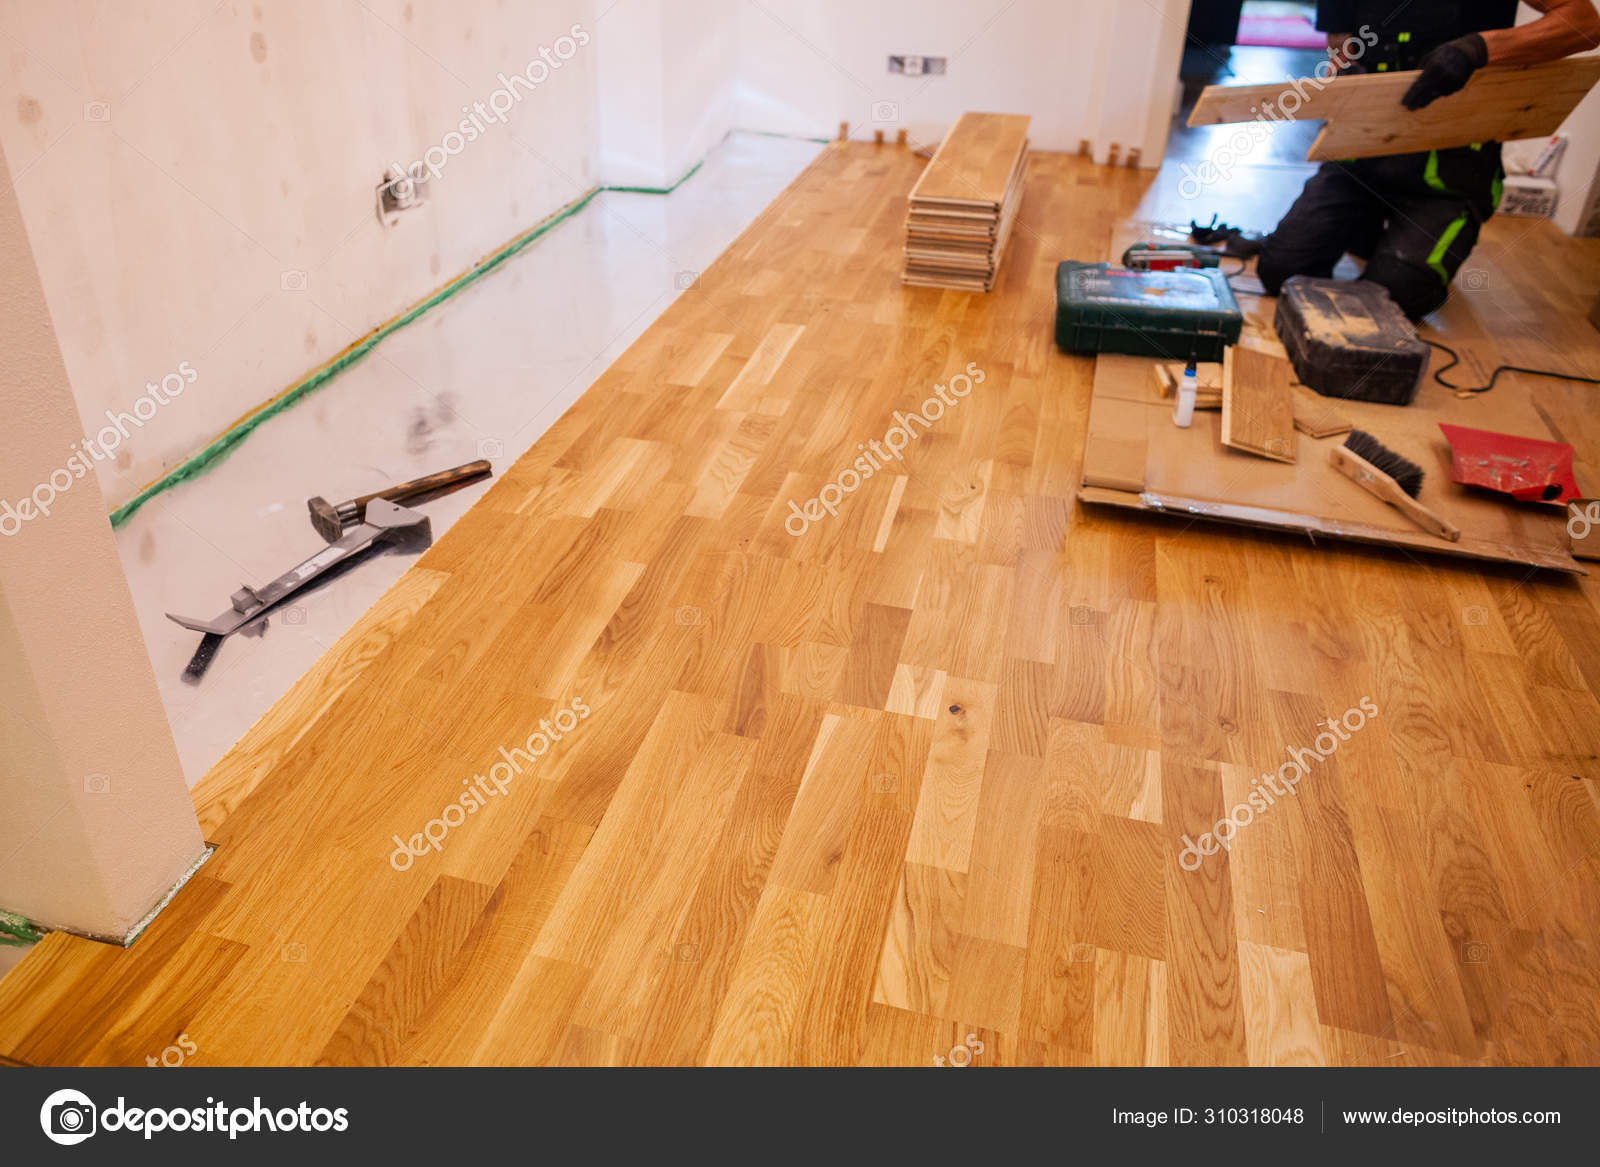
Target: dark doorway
<point x="1245" y="174"/>
<point x="1283" y="24"/>
<point x="1247" y="42"/>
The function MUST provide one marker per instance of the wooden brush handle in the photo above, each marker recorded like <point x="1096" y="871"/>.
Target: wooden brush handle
<point x="1380" y="485"/>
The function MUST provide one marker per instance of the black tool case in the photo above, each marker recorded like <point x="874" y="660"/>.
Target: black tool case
<point x="1173" y="315"/>
<point x="1349" y="339"/>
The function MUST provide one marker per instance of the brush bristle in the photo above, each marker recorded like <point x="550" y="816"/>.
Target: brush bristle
<point x="1403" y="470"/>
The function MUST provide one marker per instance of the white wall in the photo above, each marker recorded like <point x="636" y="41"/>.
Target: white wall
<point x="630" y="62"/>
<point x="98" y="825"/>
<point x="1081" y="68"/>
<point x="1579" y="173"/>
<point x="701" y="45"/>
<point x="243" y="142"/>
<point x="667" y="85"/>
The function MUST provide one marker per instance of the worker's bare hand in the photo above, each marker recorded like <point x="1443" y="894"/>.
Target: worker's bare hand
<point x="1446" y="69"/>
<point x="1336" y="44"/>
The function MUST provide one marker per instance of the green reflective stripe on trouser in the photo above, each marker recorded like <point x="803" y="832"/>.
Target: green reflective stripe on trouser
<point x="1497" y="188"/>
<point x="1436" y="256"/>
<point x="1430" y="174"/>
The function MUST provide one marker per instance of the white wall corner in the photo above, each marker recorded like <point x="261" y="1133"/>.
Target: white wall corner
<point x="627" y="41"/>
<point x="98" y="823"/>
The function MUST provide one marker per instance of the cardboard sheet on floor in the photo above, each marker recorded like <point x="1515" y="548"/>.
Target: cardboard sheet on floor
<point x="1136" y="458"/>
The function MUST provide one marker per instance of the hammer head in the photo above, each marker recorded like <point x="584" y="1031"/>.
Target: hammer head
<point x="325" y="518"/>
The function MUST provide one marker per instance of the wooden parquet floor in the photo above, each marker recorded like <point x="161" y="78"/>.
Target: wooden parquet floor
<point x="919" y="777"/>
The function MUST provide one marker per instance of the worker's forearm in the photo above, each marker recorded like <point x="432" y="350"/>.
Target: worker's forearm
<point x="1565" y="27"/>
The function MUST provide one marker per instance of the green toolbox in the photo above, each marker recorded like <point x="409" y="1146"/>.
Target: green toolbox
<point x="1172" y="315"/>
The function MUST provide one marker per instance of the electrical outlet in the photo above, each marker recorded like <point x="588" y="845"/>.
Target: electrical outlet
<point x="401" y="189"/>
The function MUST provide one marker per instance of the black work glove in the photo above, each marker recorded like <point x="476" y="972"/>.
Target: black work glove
<point x="1446" y="69"/>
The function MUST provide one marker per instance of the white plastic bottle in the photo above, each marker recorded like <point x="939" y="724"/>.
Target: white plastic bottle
<point x="1183" y="411"/>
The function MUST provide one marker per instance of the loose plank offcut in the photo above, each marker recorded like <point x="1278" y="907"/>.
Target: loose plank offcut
<point x="962" y="208"/>
<point x="1365" y="117"/>
<point x="1257" y="408"/>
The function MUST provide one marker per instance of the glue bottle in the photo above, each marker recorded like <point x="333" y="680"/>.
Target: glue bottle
<point x="1183" y="411"/>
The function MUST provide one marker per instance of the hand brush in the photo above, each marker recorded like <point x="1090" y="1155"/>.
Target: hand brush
<point x="1388" y="476"/>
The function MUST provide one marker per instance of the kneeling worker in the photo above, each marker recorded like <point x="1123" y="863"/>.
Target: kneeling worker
<point x="1415" y="217"/>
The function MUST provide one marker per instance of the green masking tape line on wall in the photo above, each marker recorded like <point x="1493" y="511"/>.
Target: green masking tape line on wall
<point x="204" y="459"/>
<point x="15" y="929"/>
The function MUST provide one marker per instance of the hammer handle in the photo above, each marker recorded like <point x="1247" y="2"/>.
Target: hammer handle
<point x="428" y="485"/>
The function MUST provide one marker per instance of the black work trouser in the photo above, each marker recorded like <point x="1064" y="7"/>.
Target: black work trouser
<point x="1413" y="217"/>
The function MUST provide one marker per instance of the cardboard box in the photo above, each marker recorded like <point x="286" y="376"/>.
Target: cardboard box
<point x="1583" y="525"/>
<point x="1529" y="197"/>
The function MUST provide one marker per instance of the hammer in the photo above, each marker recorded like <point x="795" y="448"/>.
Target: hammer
<point x="330" y="521"/>
<point x="382" y="522"/>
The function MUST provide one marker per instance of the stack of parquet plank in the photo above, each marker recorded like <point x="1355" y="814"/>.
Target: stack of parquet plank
<point x="962" y="208"/>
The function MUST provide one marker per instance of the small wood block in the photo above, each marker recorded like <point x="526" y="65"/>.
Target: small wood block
<point x="1208" y="390"/>
<point x="899" y="137"/>
<point x="1315" y="417"/>
<point x="844" y="131"/>
<point x="877" y="137"/>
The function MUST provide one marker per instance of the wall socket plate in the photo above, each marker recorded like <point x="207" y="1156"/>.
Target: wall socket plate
<point x="401" y="189"/>
<point x="913" y="65"/>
